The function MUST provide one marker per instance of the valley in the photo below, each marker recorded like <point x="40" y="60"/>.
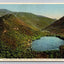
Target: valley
<point x="19" y="29"/>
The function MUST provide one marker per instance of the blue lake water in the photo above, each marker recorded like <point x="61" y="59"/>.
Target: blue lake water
<point x="47" y="43"/>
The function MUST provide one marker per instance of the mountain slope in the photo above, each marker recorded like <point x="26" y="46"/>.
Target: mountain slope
<point x="57" y="27"/>
<point x="15" y="37"/>
<point x="17" y="31"/>
<point x="4" y="12"/>
<point x="34" y="21"/>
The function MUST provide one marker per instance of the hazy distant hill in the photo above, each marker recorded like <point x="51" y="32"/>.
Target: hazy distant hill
<point x="34" y="21"/>
<point x="4" y="11"/>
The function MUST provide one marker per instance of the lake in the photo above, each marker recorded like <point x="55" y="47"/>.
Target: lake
<point x="47" y="43"/>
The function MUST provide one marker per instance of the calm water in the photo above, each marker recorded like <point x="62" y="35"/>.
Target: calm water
<point x="47" y="43"/>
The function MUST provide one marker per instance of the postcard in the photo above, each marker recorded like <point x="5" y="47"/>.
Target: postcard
<point x="31" y="32"/>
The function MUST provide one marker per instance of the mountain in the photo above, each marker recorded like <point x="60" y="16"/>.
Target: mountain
<point x="15" y="36"/>
<point x="57" y="26"/>
<point x="17" y="31"/>
<point x="9" y="21"/>
<point x="34" y="21"/>
<point x="4" y="12"/>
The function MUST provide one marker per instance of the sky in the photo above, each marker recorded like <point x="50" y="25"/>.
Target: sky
<point x="55" y="11"/>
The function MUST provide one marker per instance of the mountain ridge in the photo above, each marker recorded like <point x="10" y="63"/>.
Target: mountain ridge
<point x="57" y="26"/>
